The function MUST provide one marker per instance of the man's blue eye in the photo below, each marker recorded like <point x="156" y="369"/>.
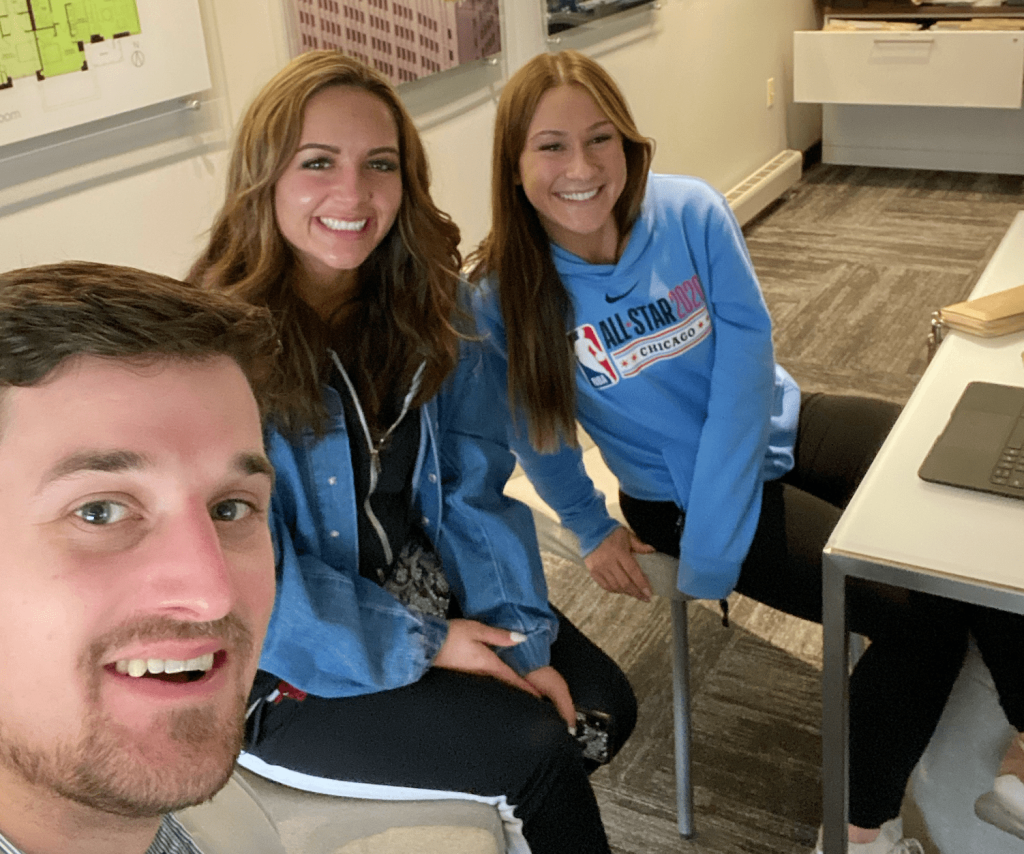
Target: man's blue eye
<point x="102" y="512"/>
<point x="231" y="511"/>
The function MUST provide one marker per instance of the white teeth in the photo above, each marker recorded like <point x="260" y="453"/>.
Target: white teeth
<point x="343" y="224"/>
<point x="137" y="667"/>
<point x="204" y="663"/>
<point x="579" y="197"/>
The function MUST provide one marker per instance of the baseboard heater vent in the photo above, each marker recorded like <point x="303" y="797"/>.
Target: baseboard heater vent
<point x="748" y="198"/>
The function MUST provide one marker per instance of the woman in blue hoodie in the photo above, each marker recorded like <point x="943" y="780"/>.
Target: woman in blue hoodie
<point x="627" y="301"/>
<point x="411" y="652"/>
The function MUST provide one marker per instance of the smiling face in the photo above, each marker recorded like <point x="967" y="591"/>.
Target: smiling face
<point x="133" y="513"/>
<point x="339" y="195"/>
<point x="573" y="170"/>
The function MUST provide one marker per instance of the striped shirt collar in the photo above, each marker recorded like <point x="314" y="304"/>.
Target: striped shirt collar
<point x="171" y="838"/>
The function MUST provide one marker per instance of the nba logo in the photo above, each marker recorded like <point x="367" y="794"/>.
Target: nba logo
<point x="592" y="357"/>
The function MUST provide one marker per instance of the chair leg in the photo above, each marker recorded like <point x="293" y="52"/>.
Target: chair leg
<point x="681" y="713"/>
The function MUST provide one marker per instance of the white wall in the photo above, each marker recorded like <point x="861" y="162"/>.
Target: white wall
<point x="694" y="72"/>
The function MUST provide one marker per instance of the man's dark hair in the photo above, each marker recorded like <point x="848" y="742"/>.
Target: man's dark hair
<point x="52" y="313"/>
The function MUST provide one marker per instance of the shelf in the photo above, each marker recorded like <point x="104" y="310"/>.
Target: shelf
<point x="897" y="11"/>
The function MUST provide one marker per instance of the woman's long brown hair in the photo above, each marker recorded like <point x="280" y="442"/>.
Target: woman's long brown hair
<point x="534" y="303"/>
<point x="408" y="284"/>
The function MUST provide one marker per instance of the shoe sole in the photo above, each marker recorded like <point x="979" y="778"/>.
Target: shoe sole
<point x="990" y="808"/>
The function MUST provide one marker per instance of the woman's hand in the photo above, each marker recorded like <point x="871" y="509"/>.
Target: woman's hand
<point x="468" y="648"/>
<point x="613" y="566"/>
<point x="550" y="684"/>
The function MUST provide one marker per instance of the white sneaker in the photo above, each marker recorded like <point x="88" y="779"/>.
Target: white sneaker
<point x="889" y="841"/>
<point x="1004" y="805"/>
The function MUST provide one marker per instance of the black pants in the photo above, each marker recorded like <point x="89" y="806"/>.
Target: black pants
<point x="457" y="732"/>
<point x="899" y="687"/>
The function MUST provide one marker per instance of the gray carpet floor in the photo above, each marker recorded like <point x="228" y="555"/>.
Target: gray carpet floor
<point x="852" y="263"/>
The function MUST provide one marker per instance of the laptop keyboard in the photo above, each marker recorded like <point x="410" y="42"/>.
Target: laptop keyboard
<point x="1009" y="471"/>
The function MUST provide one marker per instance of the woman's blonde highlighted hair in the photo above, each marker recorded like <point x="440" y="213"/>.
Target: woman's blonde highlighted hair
<point x="534" y="302"/>
<point x="409" y="282"/>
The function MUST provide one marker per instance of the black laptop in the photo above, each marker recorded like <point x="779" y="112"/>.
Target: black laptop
<point x="982" y="446"/>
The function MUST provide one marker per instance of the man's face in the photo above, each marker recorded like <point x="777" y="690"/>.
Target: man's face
<point x="133" y="524"/>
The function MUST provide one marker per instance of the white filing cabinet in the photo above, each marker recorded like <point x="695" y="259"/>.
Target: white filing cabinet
<point x="931" y="98"/>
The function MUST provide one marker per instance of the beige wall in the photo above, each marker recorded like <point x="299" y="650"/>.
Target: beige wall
<point x="694" y="71"/>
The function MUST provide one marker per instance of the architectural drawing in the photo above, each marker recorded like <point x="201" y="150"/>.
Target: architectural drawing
<point x="67" y="62"/>
<point x="43" y="38"/>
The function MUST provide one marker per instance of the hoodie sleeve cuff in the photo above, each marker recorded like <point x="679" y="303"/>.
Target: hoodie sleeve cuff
<point x="596" y="534"/>
<point x="532" y="653"/>
<point x="707" y="578"/>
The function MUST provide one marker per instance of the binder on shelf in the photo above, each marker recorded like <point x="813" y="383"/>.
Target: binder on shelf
<point x="996" y="314"/>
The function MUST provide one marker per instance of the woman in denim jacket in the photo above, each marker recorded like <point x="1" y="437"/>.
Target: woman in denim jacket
<point x="412" y="652"/>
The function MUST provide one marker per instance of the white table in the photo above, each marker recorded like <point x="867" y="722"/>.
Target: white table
<point x="902" y="531"/>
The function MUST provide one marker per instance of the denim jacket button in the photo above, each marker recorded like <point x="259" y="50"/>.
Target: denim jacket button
<point x="426" y="521"/>
<point x="432" y="477"/>
<point x="335" y="534"/>
<point x="332" y="480"/>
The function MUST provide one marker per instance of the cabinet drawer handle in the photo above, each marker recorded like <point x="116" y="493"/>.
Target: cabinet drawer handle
<point x="904" y="41"/>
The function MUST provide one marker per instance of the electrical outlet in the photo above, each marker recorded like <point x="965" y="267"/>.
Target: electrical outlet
<point x="770" y="93"/>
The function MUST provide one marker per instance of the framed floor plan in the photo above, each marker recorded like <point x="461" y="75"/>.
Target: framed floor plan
<point x="67" y="62"/>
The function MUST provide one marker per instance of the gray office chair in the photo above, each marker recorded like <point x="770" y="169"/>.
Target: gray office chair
<point x="661" y="570"/>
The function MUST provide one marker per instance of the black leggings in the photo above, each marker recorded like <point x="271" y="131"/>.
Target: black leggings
<point x="453" y="731"/>
<point x="899" y="687"/>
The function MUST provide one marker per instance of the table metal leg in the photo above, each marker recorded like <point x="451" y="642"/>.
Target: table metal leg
<point x="835" y="684"/>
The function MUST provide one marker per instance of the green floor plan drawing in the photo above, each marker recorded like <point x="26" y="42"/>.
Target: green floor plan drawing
<point x="44" y="38"/>
<point x="67" y="63"/>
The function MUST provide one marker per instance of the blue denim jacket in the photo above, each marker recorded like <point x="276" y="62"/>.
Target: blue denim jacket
<point x="334" y="633"/>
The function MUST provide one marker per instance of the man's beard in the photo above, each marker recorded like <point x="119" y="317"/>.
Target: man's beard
<point x="112" y="768"/>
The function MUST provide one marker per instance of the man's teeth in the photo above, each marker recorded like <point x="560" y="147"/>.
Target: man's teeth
<point x="343" y="224"/>
<point x="579" y="197"/>
<point x="141" y="666"/>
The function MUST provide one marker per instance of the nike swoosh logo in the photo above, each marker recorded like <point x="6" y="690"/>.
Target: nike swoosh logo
<point x="608" y="298"/>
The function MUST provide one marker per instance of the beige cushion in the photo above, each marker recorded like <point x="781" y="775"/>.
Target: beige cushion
<point x="420" y="839"/>
<point x="267" y="818"/>
<point x="322" y="824"/>
<point x="233" y="821"/>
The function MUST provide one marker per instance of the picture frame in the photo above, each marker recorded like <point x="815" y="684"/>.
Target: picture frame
<point x="405" y="40"/>
<point x="562" y="15"/>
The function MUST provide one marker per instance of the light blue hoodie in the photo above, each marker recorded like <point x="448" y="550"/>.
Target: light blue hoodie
<point x="676" y="382"/>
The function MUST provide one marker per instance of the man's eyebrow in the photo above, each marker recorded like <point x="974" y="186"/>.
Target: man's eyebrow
<point x="118" y="461"/>
<point x="254" y="464"/>
<point x="106" y="461"/>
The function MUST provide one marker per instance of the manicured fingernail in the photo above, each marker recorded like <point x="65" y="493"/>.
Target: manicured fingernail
<point x="516" y="637"/>
<point x="572" y="731"/>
